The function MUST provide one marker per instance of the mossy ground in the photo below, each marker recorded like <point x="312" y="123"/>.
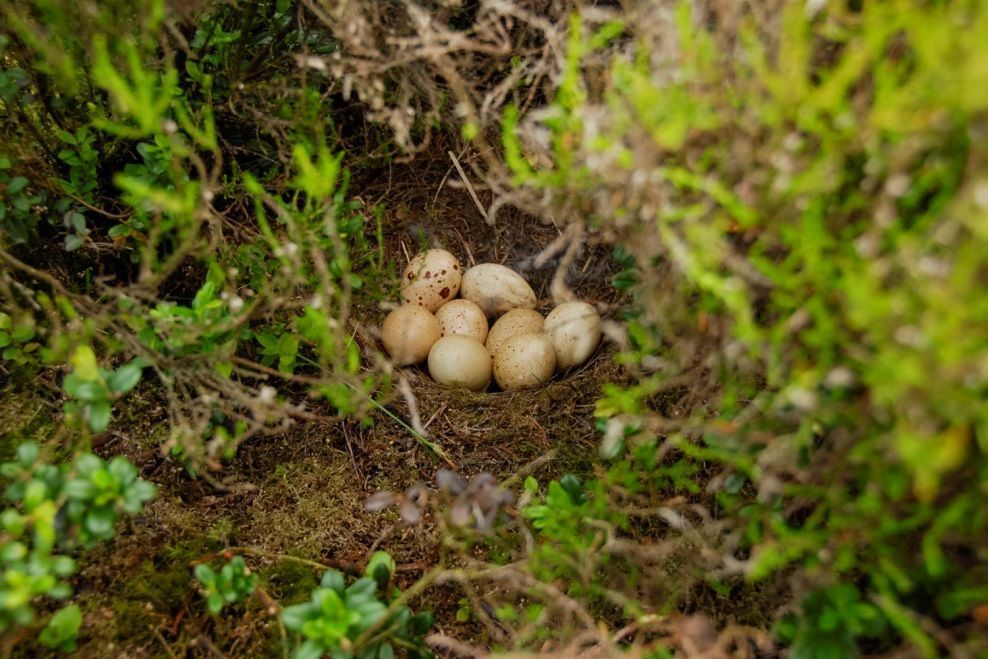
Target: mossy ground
<point x="301" y="493"/>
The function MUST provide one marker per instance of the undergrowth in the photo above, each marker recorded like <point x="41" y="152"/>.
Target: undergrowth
<point x="793" y="197"/>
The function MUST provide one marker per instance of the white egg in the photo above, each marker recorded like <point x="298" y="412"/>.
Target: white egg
<point x="408" y="333"/>
<point x="525" y="360"/>
<point x="463" y="317"/>
<point x="516" y="321"/>
<point x="460" y="361"/>
<point x="574" y="330"/>
<point x="496" y="289"/>
<point x="431" y="279"/>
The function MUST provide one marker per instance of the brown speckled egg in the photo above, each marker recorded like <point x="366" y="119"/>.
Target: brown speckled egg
<point x="463" y="317"/>
<point x="431" y="279"/>
<point x="460" y="361"/>
<point x="574" y="329"/>
<point x="516" y="321"/>
<point x="497" y="289"/>
<point x="525" y="360"/>
<point x="408" y="333"/>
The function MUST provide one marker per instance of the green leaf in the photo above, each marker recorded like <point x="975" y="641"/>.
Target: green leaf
<point x="308" y="650"/>
<point x="99" y="415"/>
<point x="84" y="364"/>
<point x="119" y="230"/>
<point x="380" y="567"/>
<point x="127" y="376"/>
<point x="27" y="453"/>
<point x="288" y="345"/>
<point x="16" y="184"/>
<point x="295" y="616"/>
<point x="214" y="603"/>
<point x="333" y="580"/>
<point x="62" y="629"/>
<point x="84" y="390"/>
<point x="123" y="470"/>
<point x="80" y="490"/>
<point x="420" y="623"/>
<point x="74" y="241"/>
<point x="100" y="521"/>
<point x="63" y="566"/>
<point x="22" y="333"/>
<point x="205" y="574"/>
<point x="78" y="222"/>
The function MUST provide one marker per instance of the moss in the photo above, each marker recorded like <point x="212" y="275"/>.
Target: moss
<point x="23" y="415"/>
<point x="289" y="582"/>
<point x="165" y="580"/>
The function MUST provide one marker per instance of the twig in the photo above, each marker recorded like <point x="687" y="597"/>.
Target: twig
<point x="164" y="643"/>
<point x="416" y="428"/>
<point x="473" y="194"/>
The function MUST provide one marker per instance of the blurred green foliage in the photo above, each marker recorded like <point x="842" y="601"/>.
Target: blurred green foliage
<point x="51" y="511"/>
<point x="815" y="188"/>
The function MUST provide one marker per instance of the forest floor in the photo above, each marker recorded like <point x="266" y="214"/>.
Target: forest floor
<point x="302" y="493"/>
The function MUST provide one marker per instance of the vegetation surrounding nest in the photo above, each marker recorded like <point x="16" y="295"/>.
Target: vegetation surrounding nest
<point x="778" y="207"/>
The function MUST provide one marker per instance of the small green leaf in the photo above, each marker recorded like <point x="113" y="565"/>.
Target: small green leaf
<point x="62" y="629"/>
<point x="126" y="377"/>
<point x="84" y="364"/>
<point x="100" y="521"/>
<point x="16" y="184"/>
<point x="214" y="603"/>
<point x="74" y="241"/>
<point x="99" y="415"/>
<point x="27" y="453"/>
<point x="295" y="616"/>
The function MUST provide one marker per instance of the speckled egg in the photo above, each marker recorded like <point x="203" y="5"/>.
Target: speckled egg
<point x="525" y="360"/>
<point x="574" y="330"/>
<point x="408" y="334"/>
<point x="516" y="321"/>
<point x="431" y="279"/>
<point x="463" y="317"/>
<point x="460" y="361"/>
<point x="497" y="289"/>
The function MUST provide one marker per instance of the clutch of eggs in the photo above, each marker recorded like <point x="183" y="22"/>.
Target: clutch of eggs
<point x="522" y="349"/>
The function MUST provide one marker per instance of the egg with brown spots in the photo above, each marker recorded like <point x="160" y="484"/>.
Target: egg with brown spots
<point x="525" y="360"/>
<point x="516" y="321"/>
<point x="408" y="334"/>
<point x="463" y="318"/>
<point x="431" y="279"/>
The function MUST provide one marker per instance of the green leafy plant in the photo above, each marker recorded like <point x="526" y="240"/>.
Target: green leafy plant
<point x="62" y="629"/>
<point x="17" y="205"/>
<point x="232" y="583"/>
<point x="830" y="623"/>
<point x="17" y="339"/>
<point x="95" y="389"/>
<point x="365" y="620"/>
<point x="278" y="346"/>
<point x="52" y="510"/>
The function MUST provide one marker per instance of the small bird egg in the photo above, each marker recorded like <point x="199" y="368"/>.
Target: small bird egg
<point x="516" y="321"/>
<point x="497" y="289"/>
<point x="460" y="361"/>
<point x="408" y="333"/>
<point x="574" y="329"/>
<point x="525" y="360"/>
<point x="463" y="317"/>
<point x="431" y="279"/>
